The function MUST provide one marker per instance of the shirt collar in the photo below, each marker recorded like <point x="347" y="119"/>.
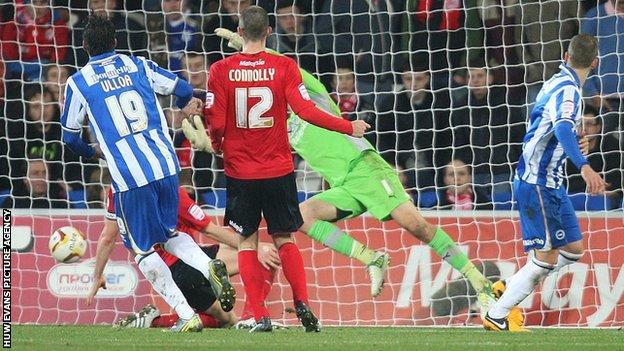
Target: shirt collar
<point x="102" y="56"/>
<point x="569" y="71"/>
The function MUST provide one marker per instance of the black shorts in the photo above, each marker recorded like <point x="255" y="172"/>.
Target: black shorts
<point x="275" y="198"/>
<point x="194" y="286"/>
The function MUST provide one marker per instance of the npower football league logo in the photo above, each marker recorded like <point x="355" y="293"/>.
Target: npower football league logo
<point x="75" y="280"/>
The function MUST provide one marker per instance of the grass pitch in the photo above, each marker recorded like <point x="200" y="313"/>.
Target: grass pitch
<point x="51" y="338"/>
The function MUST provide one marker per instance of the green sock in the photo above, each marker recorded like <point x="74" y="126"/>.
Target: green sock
<point x="339" y="241"/>
<point x="444" y="246"/>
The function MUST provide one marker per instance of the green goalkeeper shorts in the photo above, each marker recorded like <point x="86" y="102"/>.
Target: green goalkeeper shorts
<point x="372" y="185"/>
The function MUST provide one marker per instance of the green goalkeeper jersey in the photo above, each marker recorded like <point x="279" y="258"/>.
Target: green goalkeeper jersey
<point x="330" y="154"/>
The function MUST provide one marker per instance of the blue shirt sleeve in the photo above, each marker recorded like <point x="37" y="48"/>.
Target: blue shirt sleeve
<point x="165" y="82"/>
<point x="74" y="112"/>
<point x="567" y="138"/>
<point x="184" y="92"/>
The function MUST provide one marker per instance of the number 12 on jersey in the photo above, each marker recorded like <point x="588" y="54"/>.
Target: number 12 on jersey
<point x="253" y="118"/>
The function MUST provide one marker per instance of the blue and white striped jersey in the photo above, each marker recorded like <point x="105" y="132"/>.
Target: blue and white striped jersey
<point x="118" y="93"/>
<point x="543" y="157"/>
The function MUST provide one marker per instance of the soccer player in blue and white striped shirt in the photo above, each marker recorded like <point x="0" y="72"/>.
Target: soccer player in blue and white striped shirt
<point x="549" y="225"/>
<point x="118" y="94"/>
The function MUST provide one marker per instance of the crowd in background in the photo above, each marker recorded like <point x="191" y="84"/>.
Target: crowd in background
<point x="447" y="85"/>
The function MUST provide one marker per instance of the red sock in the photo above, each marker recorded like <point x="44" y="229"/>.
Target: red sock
<point x="267" y="281"/>
<point x="209" y="321"/>
<point x="292" y="266"/>
<point x="165" y="321"/>
<point x="250" y="272"/>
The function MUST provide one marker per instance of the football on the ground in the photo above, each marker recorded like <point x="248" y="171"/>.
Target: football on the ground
<point x="67" y="244"/>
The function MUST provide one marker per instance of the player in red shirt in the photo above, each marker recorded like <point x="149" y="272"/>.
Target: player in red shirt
<point x="193" y="221"/>
<point x="247" y="104"/>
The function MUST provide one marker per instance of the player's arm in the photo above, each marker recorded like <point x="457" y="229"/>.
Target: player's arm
<point x="74" y="112"/>
<point x="564" y="128"/>
<point x="220" y="234"/>
<point x="165" y="82"/>
<point x="301" y="104"/>
<point x="215" y="108"/>
<point x="105" y="246"/>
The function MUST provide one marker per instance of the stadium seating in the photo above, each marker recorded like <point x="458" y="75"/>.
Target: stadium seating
<point x="76" y="199"/>
<point x="503" y="201"/>
<point x="4" y="194"/>
<point x="214" y="198"/>
<point x="426" y="199"/>
<point x="302" y="196"/>
<point x="584" y="202"/>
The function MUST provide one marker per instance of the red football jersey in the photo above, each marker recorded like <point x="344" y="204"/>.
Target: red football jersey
<point x="191" y="220"/>
<point x="247" y="108"/>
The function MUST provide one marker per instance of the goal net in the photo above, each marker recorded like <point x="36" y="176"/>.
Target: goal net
<point x="447" y="87"/>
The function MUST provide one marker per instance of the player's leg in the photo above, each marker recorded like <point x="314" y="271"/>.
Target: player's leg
<point x="283" y="217"/>
<point x="253" y="283"/>
<point x="158" y="274"/>
<point x="243" y="213"/>
<point x="230" y="257"/>
<point x="410" y="219"/>
<point x="135" y="210"/>
<point x="377" y="186"/>
<point x="247" y="320"/>
<point x="185" y="248"/>
<point x="573" y="249"/>
<point x="543" y="232"/>
<point x="198" y="292"/>
<point x="319" y="211"/>
<point x="330" y="206"/>
<point x="224" y="319"/>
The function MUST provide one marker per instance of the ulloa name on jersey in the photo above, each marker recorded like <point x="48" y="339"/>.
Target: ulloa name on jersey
<point x="116" y="83"/>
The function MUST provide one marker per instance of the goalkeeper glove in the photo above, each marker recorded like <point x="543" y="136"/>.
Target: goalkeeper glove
<point x="196" y="134"/>
<point x="234" y="40"/>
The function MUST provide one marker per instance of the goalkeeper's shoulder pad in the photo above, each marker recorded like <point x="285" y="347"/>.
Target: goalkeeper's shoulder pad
<point x="196" y="134"/>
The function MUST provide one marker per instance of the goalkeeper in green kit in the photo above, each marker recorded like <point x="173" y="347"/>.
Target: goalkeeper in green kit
<point x="360" y="181"/>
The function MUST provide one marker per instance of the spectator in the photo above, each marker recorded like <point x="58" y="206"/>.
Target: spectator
<point x="495" y="31"/>
<point x="293" y="38"/>
<point x="174" y="32"/>
<point x="360" y="29"/>
<point x="547" y="27"/>
<point x="606" y="86"/>
<point x="486" y="131"/>
<point x="95" y="188"/>
<point x="54" y="79"/>
<point x="459" y="193"/>
<point x="33" y="38"/>
<point x="131" y="34"/>
<point x="41" y="135"/>
<point x="42" y="128"/>
<point x="344" y="92"/>
<point x="227" y="18"/>
<point x="195" y="70"/>
<point x="605" y="156"/>
<point x="436" y="28"/>
<point x="36" y="189"/>
<point x="413" y="129"/>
